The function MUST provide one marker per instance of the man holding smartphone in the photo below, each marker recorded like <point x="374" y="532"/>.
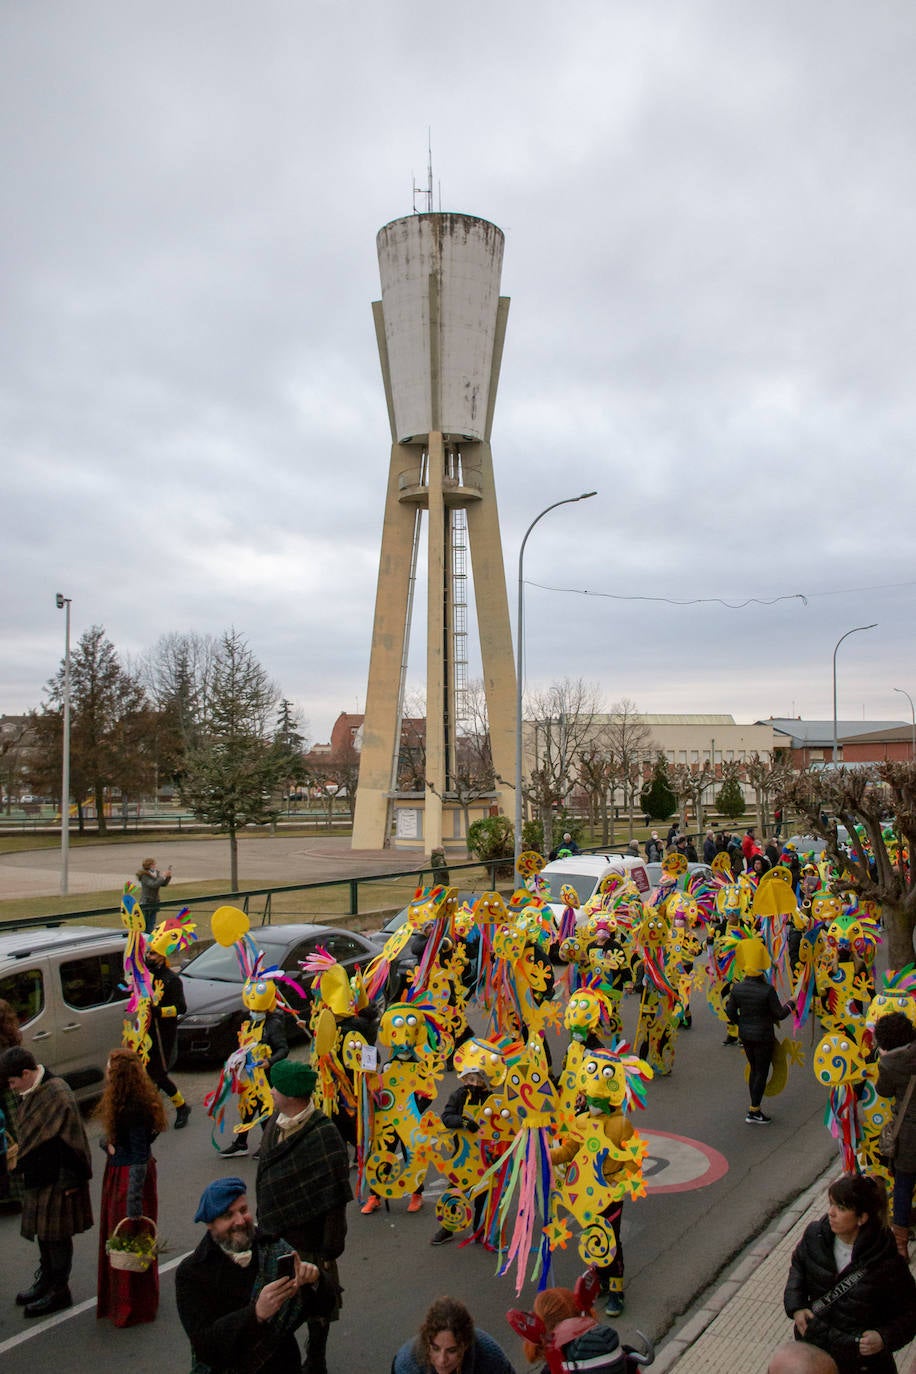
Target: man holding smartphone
<point x="242" y="1294"/>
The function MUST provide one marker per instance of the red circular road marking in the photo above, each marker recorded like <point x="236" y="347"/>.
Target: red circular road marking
<point x="677" y="1164"/>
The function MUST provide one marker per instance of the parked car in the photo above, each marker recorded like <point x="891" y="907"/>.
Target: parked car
<point x="813" y="844"/>
<point x="655" y="872"/>
<point x="406" y="960"/>
<point x="213" y="984"/>
<point x="66" y="985"/>
<point x="583" y="873"/>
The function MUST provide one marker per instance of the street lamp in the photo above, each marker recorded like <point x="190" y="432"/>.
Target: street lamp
<point x="912" y="718"/>
<point x="519" y="629"/>
<point x="63" y="603"/>
<point x="855" y="630"/>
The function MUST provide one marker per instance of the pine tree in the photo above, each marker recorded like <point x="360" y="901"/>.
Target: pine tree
<point x="231" y="777"/>
<point x="657" y="797"/>
<point x="730" y="799"/>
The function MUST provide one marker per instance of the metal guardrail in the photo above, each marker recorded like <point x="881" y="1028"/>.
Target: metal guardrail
<point x="248" y="899"/>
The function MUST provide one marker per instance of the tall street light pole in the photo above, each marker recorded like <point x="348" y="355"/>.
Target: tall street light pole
<point x="912" y="718"/>
<point x="63" y="604"/>
<point x="519" y="630"/>
<point x="855" y="630"/>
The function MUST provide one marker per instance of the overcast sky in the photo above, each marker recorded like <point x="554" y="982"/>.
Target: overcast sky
<point x="709" y="219"/>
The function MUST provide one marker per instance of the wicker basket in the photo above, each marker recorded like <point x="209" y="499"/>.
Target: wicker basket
<point x="129" y="1259"/>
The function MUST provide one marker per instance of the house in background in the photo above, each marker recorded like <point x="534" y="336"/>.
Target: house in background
<point x="859" y="741"/>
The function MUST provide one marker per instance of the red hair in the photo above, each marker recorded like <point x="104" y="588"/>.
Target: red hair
<point x="553" y="1306"/>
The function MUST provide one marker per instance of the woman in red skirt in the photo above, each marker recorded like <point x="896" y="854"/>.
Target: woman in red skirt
<point x="132" y="1116"/>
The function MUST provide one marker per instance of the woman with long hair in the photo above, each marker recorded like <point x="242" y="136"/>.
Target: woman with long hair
<point x="132" y="1116"/>
<point x="449" y="1343"/>
<point x="849" y="1291"/>
<point x="10" y="1184"/>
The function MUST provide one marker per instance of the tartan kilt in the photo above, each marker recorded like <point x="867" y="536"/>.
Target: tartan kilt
<point x="53" y="1213"/>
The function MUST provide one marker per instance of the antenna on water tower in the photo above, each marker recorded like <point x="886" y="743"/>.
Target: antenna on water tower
<point x="426" y="191"/>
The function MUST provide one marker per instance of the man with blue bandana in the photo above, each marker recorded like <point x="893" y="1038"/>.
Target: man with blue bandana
<point x="242" y="1294"/>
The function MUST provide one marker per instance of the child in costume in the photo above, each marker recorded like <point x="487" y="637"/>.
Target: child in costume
<point x="604" y="1155"/>
<point x="244" y="1075"/>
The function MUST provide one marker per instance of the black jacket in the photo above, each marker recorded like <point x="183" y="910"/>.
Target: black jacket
<point x="754" y="1007"/>
<point x="895" y="1068"/>
<point x="884" y="1299"/>
<point x="216" y="1304"/>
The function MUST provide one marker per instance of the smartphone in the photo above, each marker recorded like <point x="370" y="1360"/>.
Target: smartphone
<point x="286" y="1267"/>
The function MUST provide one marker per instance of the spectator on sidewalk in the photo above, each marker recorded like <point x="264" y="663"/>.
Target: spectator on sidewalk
<point x="849" y="1291"/>
<point x="896" y="1041"/>
<point x="654" y="849"/>
<point x="709" y="848"/>
<point x="151" y="880"/>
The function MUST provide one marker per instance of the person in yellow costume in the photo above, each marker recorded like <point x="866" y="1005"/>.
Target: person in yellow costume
<point x="167" y="1004"/>
<point x="603" y="1155"/>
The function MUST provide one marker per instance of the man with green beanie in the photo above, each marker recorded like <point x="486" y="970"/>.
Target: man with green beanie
<point x="303" y="1185"/>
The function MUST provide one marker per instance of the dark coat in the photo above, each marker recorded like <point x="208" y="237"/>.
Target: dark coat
<point x="894" y="1071"/>
<point x="54" y="1163"/>
<point x="754" y="1007"/>
<point x="216" y="1303"/>
<point x="303" y="1187"/>
<point x="884" y="1299"/>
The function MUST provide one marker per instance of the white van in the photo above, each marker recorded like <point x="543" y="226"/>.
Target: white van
<point x="66" y="985"/>
<point x="584" y="872"/>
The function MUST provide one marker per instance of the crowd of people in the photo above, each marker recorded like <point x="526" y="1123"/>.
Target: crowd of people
<point x="249" y="1287"/>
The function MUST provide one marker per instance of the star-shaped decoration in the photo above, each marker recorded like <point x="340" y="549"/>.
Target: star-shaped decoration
<point x="558" y="1233"/>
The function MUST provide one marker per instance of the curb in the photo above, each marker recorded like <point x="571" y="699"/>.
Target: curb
<point x="717" y="1297"/>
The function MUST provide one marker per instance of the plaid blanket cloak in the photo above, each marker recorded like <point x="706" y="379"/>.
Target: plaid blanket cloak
<point x="54" y="1163"/>
<point x="301" y="1180"/>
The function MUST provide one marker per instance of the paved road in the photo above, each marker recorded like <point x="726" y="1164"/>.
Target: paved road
<point x="675" y="1241"/>
<point x="262" y="861"/>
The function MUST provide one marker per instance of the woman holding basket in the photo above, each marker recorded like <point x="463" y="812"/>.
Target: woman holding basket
<point x="132" y="1116"/>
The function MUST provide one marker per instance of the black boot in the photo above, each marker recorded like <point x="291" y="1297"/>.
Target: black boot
<point x="54" y="1301"/>
<point x="181" y="1116"/>
<point x="38" y="1289"/>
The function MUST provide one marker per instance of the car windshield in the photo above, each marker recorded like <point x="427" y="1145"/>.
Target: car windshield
<point x="584" y="884"/>
<point x="221" y="964"/>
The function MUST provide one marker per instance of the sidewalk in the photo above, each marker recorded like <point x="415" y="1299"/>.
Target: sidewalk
<point x="737" y="1324"/>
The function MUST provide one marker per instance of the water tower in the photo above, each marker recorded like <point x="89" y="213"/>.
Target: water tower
<point x="440" y="327"/>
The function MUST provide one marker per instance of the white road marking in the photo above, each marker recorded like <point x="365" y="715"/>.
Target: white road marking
<point x="39" y="1328"/>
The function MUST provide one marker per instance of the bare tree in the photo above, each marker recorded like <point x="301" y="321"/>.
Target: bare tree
<point x="599" y="775"/>
<point x="177" y="674"/>
<point x="689" y="783"/>
<point x="412" y="747"/>
<point x="766" y="777"/>
<point x="562" y="723"/>
<point x="472" y="774"/>
<point x="863" y="800"/>
<point x="17" y="734"/>
<point x="630" y="742"/>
